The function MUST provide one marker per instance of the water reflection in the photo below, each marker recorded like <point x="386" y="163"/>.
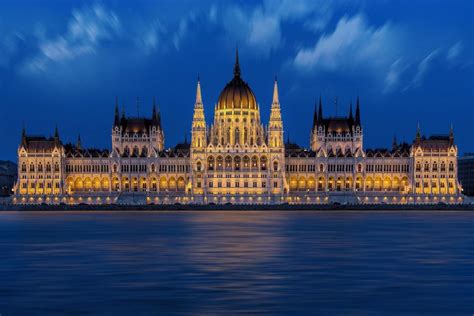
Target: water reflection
<point x="237" y="262"/>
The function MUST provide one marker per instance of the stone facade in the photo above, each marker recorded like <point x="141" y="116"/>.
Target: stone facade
<point x="237" y="160"/>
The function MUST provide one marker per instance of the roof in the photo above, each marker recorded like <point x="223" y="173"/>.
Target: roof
<point x="39" y="144"/>
<point x="74" y="151"/>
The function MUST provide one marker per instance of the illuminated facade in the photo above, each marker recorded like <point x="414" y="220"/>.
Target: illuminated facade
<point x="237" y="160"/>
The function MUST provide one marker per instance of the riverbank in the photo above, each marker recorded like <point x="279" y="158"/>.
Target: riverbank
<point x="237" y="207"/>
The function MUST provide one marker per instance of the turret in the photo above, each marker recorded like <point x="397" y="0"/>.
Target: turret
<point x="276" y="124"/>
<point x="56" y="136"/>
<point x="199" y="138"/>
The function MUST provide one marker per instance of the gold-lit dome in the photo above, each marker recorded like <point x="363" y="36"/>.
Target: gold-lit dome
<point x="237" y="93"/>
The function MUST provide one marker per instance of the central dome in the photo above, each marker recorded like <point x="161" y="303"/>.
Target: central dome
<point x="237" y="93"/>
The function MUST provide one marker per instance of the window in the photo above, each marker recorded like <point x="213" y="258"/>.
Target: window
<point x="23" y="167"/>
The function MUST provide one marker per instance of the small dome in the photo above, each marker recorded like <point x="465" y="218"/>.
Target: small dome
<point x="237" y="93"/>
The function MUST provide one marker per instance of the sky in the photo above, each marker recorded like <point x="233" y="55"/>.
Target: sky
<point x="64" y="63"/>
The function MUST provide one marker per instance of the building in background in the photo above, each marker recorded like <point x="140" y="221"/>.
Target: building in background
<point x="8" y="174"/>
<point x="466" y="173"/>
<point x="238" y="160"/>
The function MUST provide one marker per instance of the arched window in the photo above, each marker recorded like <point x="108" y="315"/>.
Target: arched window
<point x="135" y="151"/>
<point x="56" y="167"/>
<point x="144" y="151"/>
<point x="153" y="168"/>
<point x="237" y="163"/>
<point x="237" y="136"/>
<point x="451" y="166"/>
<point x="263" y="163"/>
<point x="275" y="166"/>
<point x="126" y="151"/>
<point x="210" y="163"/>
<point x="23" y="167"/>
<point x="40" y="167"/>
<point x="48" y="167"/>
<point x="198" y="166"/>
<point x="321" y="167"/>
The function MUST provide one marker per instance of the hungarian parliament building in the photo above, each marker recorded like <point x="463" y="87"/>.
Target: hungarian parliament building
<point x="236" y="160"/>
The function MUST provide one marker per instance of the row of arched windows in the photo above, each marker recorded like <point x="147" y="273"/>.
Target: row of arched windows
<point x="39" y="167"/>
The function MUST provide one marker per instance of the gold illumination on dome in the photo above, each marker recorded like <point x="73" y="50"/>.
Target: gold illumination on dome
<point x="237" y="93"/>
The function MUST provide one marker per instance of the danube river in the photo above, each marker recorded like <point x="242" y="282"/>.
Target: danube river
<point x="211" y="262"/>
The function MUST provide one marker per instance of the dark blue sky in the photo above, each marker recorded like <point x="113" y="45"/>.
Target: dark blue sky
<point x="63" y="62"/>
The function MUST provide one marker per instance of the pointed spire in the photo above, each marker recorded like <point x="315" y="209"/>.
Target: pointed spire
<point x="451" y="135"/>
<point x="56" y="132"/>
<point x="394" y="142"/>
<point x="79" y="143"/>
<point x="237" y="66"/>
<point x="418" y="133"/>
<point x="320" y="111"/>
<point x="198" y="92"/>
<point x="315" y="115"/>
<point x="276" y="98"/>
<point x="116" y="115"/>
<point x="23" y="136"/>
<point x="357" y="115"/>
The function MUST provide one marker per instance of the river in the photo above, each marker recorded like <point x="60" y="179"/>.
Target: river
<point x="236" y="262"/>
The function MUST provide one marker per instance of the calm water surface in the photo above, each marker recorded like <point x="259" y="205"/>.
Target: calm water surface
<point x="205" y="263"/>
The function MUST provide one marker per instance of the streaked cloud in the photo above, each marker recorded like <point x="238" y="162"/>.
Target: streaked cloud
<point x="454" y="52"/>
<point x="87" y="29"/>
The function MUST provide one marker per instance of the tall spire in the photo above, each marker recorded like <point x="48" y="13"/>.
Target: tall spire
<point x="315" y="115"/>
<point x="23" y="136"/>
<point x="198" y="92"/>
<point x="394" y="142"/>
<point x="117" y="115"/>
<point x="276" y="98"/>
<point x="79" y="143"/>
<point x="451" y="135"/>
<point x="56" y="132"/>
<point x="237" y="66"/>
<point x="418" y="133"/>
<point x="320" y="111"/>
<point x="357" y="116"/>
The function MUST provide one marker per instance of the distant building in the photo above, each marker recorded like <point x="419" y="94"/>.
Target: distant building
<point x="238" y="160"/>
<point x="8" y="172"/>
<point x="466" y="173"/>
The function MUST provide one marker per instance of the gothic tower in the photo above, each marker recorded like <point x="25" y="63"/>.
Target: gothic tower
<point x="198" y="142"/>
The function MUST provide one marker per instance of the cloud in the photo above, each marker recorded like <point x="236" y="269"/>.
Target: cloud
<point x="183" y="29"/>
<point x="422" y="69"/>
<point x="394" y="75"/>
<point x="454" y="52"/>
<point x="259" y="28"/>
<point x="151" y="36"/>
<point x="87" y="29"/>
<point x="353" y="43"/>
